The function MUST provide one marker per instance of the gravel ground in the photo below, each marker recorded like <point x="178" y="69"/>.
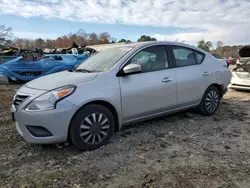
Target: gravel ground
<point x="180" y="150"/>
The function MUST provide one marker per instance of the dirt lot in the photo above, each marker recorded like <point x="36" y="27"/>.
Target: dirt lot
<point x="181" y="150"/>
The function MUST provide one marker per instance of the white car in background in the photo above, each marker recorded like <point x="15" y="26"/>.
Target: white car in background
<point x="241" y="77"/>
<point x="241" y="74"/>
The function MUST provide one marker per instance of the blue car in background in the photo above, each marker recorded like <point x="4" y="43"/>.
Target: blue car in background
<point x="18" y="70"/>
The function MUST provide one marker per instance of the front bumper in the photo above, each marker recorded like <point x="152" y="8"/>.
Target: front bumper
<point x="56" y="122"/>
<point x="241" y="84"/>
<point x="239" y="87"/>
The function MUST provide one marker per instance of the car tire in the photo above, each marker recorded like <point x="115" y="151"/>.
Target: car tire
<point x="92" y="127"/>
<point x="210" y="101"/>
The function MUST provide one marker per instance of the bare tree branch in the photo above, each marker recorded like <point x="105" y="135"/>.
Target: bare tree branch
<point x="5" y="32"/>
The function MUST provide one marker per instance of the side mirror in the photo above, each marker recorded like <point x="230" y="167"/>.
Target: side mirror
<point x="132" y="68"/>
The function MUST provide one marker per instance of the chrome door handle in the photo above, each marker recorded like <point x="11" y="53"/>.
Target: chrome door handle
<point x="166" y="80"/>
<point x="206" y="73"/>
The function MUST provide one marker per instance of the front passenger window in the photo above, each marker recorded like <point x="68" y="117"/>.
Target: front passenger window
<point x="151" y="59"/>
<point x="184" y="56"/>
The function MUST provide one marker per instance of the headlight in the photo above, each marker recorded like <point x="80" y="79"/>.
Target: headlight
<point x="49" y="100"/>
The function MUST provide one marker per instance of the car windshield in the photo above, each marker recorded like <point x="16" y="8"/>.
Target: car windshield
<point x="104" y="60"/>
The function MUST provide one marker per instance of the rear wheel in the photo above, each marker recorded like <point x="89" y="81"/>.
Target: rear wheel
<point x="210" y="101"/>
<point x="92" y="127"/>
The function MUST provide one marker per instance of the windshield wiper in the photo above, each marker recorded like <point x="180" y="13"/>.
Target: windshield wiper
<point x="81" y="70"/>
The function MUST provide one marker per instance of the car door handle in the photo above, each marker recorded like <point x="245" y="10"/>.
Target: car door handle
<point x="166" y="80"/>
<point x="206" y="73"/>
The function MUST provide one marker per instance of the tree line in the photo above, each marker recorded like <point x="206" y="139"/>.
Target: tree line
<point x="223" y="51"/>
<point x="80" y="37"/>
<point x="83" y="38"/>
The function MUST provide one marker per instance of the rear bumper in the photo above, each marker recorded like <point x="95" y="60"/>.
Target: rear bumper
<point x="224" y="90"/>
<point x="4" y="79"/>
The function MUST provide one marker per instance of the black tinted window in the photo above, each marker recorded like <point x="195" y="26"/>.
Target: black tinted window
<point x="184" y="56"/>
<point x="151" y="59"/>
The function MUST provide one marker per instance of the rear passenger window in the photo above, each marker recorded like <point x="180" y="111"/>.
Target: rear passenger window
<point x="199" y="57"/>
<point x="184" y="56"/>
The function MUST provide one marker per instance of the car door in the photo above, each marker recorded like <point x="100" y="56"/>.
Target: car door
<point x="151" y="91"/>
<point x="191" y="75"/>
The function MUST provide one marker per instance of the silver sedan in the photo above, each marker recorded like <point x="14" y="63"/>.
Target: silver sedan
<point x="118" y="86"/>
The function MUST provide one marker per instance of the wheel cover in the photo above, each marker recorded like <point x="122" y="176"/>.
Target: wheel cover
<point x="94" y="128"/>
<point x="212" y="101"/>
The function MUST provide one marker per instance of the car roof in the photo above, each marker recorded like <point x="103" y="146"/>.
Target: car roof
<point x="141" y="44"/>
<point x="101" y="47"/>
<point x="164" y="42"/>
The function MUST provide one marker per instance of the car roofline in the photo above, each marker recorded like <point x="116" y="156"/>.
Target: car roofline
<point x="102" y="47"/>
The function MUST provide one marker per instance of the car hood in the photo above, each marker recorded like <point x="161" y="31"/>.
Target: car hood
<point x="244" y="51"/>
<point x="60" y="79"/>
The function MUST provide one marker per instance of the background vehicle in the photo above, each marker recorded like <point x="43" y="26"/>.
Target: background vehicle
<point x="18" y="69"/>
<point x="241" y="73"/>
<point x="10" y="51"/>
<point x="115" y="87"/>
<point x="231" y="61"/>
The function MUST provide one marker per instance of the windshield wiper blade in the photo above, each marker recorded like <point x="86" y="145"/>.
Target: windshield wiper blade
<point x="82" y="70"/>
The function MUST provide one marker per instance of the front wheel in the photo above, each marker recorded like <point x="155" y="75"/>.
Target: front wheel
<point x="92" y="127"/>
<point x="210" y="101"/>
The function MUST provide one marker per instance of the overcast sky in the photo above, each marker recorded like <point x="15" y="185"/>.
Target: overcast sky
<point x="185" y="20"/>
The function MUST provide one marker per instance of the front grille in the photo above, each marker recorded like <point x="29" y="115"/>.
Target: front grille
<point x="18" y="99"/>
